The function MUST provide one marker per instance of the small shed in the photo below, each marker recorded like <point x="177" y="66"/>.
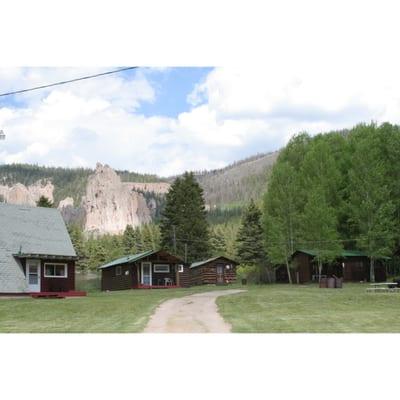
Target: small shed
<point x="150" y="269"/>
<point x="217" y="270"/>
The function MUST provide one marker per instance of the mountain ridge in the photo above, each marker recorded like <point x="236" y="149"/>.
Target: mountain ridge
<point x="230" y="186"/>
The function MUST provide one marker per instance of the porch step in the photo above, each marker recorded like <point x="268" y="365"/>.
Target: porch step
<point x="56" y="295"/>
<point x="47" y="296"/>
<point x="157" y="287"/>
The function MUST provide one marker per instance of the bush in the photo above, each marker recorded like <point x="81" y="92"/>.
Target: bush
<point x="247" y="271"/>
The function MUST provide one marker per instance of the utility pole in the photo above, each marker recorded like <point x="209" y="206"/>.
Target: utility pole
<point x="174" y="238"/>
<point x="186" y="249"/>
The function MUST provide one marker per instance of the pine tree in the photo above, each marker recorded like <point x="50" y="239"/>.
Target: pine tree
<point x="150" y="237"/>
<point x="184" y="220"/>
<point x="130" y="240"/>
<point x="44" y="202"/>
<point x="250" y="238"/>
<point x="217" y="242"/>
<point x="78" y="241"/>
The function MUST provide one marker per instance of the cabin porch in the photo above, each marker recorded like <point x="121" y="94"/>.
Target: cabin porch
<point x="150" y="275"/>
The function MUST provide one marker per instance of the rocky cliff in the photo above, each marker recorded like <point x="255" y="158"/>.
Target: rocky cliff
<point x="26" y="195"/>
<point x="107" y="207"/>
<point x="110" y="205"/>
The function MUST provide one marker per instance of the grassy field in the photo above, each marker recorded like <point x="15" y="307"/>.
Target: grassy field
<point x="306" y="308"/>
<point x="122" y="311"/>
<point x="269" y="308"/>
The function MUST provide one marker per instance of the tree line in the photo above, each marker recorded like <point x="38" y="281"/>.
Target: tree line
<point x="335" y="191"/>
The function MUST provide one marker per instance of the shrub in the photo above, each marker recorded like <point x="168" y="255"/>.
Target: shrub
<point x="247" y="271"/>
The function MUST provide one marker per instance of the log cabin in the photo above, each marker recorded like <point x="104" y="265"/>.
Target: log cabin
<point x="148" y="270"/>
<point x="217" y="270"/>
<point x="36" y="253"/>
<point x="351" y="265"/>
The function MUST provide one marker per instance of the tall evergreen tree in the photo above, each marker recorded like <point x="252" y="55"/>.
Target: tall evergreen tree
<point x="250" y="239"/>
<point x="184" y="220"/>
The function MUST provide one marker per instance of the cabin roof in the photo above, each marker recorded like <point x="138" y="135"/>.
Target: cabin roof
<point x="128" y="259"/>
<point x="133" y="258"/>
<point x="344" y="253"/>
<point x="199" y="263"/>
<point x="33" y="230"/>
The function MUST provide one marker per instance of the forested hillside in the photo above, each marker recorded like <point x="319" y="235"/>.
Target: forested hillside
<point x="236" y="184"/>
<point x="226" y="190"/>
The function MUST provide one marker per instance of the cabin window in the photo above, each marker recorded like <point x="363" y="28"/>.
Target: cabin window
<point x="180" y="268"/>
<point x="162" y="268"/>
<point x="53" y="270"/>
<point x="118" y="270"/>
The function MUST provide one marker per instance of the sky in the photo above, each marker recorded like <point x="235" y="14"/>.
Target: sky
<point x="168" y="120"/>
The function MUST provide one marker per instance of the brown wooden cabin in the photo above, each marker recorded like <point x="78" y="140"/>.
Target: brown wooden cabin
<point x="352" y="266"/>
<point x="151" y="269"/>
<point x="218" y="270"/>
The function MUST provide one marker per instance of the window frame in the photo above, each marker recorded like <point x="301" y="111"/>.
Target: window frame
<point x="65" y="265"/>
<point x="118" y="268"/>
<point x="161" y="265"/>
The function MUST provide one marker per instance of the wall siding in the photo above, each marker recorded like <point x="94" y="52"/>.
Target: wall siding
<point x="356" y="269"/>
<point x="55" y="284"/>
<point x="207" y="273"/>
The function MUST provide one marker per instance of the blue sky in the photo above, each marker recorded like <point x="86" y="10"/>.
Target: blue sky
<point x="168" y="120"/>
<point x="172" y="87"/>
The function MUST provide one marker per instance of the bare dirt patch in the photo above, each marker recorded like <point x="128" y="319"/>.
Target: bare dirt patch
<point x="197" y="313"/>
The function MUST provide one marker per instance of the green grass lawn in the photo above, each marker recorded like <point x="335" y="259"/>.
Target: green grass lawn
<point x="121" y="311"/>
<point x="268" y="308"/>
<point x="306" y="308"/>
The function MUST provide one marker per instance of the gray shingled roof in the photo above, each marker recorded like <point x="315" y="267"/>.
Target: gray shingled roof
<point x="29" y="230"/>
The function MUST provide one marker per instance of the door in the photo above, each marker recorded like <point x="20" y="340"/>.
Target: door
<point x="220" y="274"/>
<point x="33" y="275"/>
<point x="146" y="273"/>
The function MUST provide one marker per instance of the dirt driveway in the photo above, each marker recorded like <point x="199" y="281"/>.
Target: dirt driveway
<point x="196" y="313"/>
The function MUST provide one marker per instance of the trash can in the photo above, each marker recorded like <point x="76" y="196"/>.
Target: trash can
<point x="338" y="283"/>
<point x="331" y="283"/>
<point x="323" y="283"/>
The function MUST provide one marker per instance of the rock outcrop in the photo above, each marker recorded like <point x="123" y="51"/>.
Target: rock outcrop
<point x="27" y="195"/>
<point x="67" y="202"/>
<point x="110" y="205"/>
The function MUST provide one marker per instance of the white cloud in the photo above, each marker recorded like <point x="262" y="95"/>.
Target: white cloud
<point x="234" y="113"/>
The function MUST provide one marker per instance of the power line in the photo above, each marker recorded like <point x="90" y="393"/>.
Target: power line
<point x="69" y="81"/>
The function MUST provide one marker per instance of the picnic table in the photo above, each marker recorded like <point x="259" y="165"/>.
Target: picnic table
<point x="383" y="287"/>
